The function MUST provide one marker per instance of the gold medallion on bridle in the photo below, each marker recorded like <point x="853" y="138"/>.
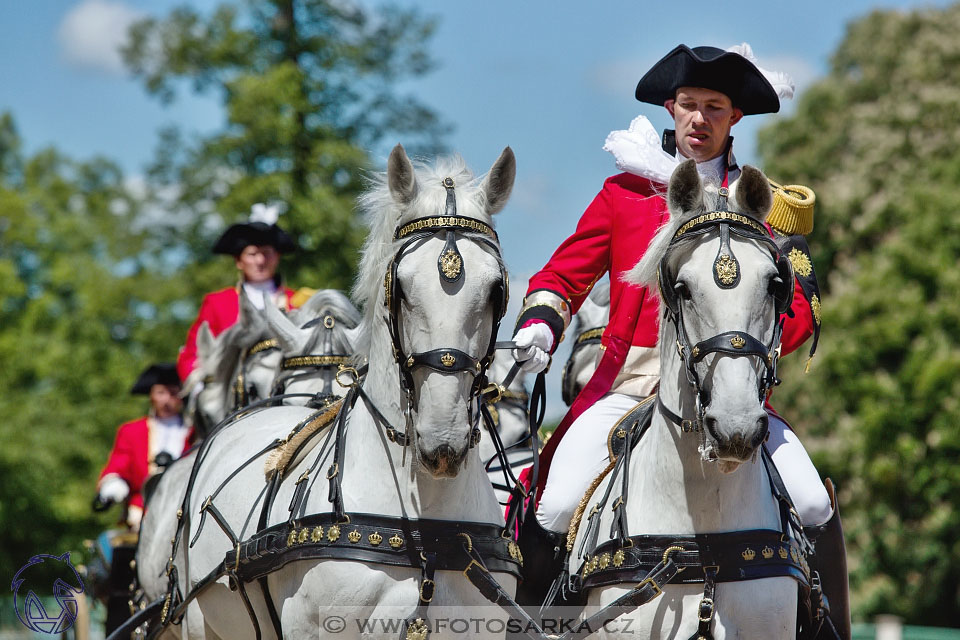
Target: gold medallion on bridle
<point x="451" y="263"/>
<point x="801" y="263"/>
<point x="726" y="268"/>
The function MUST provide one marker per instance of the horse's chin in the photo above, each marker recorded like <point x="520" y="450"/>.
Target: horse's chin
<point x="443" y="462"/>
<point x="724" y="464"/>
<point x="727" y="466"/>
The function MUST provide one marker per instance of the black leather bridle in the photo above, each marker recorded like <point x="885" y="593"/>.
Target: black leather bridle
<point x="450" y="268"/>
<point x="726" y="273"/>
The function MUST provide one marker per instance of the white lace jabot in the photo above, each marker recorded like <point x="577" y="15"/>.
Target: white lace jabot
<point x="637" y="150"/>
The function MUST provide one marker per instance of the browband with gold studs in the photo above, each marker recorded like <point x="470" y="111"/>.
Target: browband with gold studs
<point x="445" y="222"/>
<point x="314" y="361"/>
<point x="714" y="216"/>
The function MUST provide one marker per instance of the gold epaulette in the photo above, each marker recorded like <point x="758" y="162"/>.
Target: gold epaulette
<point x="792" y="211"/>
<point x="301" y="296"/>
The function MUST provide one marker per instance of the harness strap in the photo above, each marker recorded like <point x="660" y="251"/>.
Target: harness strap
<point x="415" y="625"/>
<point x="708" y="605"/>
<point x="646" y="590"/>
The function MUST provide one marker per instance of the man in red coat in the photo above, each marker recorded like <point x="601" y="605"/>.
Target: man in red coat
<point x="256" y="247"/>
<point x="139" y="442"/>
<point x="706" y="91"/>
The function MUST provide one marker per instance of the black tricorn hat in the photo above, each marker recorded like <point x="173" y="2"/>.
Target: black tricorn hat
<point x="159" y="373"/>
<point x="710" y="68"/>
<point x="239" y="236"/>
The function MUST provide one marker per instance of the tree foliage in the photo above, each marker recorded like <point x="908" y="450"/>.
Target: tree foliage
<point x="877" y="140"/>
<point x="308" y="86"/>
<point x="100" y="275"/>
<point x="85" y="303"/>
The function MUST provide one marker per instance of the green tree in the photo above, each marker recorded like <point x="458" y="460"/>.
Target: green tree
<point x="308" y="87"/>
<point x="877" y="139"/>
<point x="86" y="301"/>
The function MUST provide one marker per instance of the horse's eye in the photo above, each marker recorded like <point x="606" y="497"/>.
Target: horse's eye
<point x="682" y="290"/>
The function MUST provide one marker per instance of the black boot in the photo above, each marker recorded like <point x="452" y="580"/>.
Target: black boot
<point x="543" y="560"/>
<point x="830" y="563"/>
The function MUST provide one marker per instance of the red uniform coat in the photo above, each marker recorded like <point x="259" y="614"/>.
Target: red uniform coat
<point x="613" y="235"/>
<point x="130" y="457"/>
<point x="220" y="310"/>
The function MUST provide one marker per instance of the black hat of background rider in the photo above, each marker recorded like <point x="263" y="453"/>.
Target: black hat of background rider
<point x="710" y="68"/>
<point x="239" y="236"/>
<point x="159" y="373"/>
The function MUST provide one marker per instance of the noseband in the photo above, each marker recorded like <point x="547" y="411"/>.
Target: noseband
<point x="726" y="273"/>
<point x="450" y="268"/>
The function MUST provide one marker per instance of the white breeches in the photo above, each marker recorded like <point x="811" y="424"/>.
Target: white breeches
<point x="582" y="455"/>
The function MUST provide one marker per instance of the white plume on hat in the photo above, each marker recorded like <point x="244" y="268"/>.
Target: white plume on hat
<point x="265" y="213"/>
<point x="782" y="82"/>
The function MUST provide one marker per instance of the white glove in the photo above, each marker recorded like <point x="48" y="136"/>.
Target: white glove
<point x="533" y="347"/>
<point x="114" y="489"/>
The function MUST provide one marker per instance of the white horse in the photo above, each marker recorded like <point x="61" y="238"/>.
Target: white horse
<point x="330" y="337"/>
<point x="441" y="312"/>
<point x="679" y="483"/>
<point x="510" y="414"/>
<point x="587" y="328"/>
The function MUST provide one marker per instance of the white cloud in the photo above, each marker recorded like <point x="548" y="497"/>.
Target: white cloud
<point x="93" y="31"/>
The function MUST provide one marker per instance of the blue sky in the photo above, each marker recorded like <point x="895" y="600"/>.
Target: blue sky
<point x="550" y="79"/>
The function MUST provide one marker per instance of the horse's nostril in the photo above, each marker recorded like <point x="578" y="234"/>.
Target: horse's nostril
<point x="763" y="425"/>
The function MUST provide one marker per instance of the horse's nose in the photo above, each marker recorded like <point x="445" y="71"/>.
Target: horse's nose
<point x="737" y="438"/>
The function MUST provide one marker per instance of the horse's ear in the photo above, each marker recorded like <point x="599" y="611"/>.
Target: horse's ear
<point x="248" y="311"/>
<point x="685" y="192"/>
<point x="400" y="176"/>
<point x="206" y="343"/>
<point x="289" y="336"/>
<point x="753" y="194"/>
<point x="499" y="181"/>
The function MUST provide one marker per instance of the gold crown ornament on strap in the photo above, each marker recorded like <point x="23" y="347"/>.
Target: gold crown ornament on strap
<point x="792" y="211"/>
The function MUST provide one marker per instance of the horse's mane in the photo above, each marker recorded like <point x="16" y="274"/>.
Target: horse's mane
<point x="382" y="214"/>
<point x="334" y="303"/>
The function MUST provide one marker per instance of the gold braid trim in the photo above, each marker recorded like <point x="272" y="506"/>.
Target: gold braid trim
<point x="263" y="345"/>
<point x="792" y="211"/>
<point x="445" y="222"/>
<point x="590" y="334"/>
<point x="281" y="457"/>
<point x="297" y="362"/>
<point x="711" y="216"/>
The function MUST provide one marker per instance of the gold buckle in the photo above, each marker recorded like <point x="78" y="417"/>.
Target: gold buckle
<point x="466" y="570"/>
<point x="490" y="389"/>
<point x="708" y="602"/>
<point x="422" y="584"/>
<point x="656" y="588"/>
